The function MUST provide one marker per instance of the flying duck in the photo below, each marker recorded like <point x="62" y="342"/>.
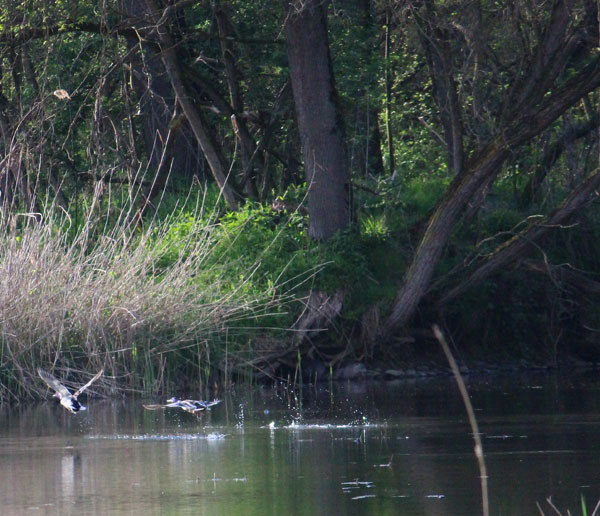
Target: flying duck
<point x="67" y="400"/>
<point x="192" y="406"/>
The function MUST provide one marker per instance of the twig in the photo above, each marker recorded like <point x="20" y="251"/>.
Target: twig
<point x="554" y="508"/>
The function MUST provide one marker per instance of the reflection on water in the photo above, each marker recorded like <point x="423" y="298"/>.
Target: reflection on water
<point x="369" y="448"/>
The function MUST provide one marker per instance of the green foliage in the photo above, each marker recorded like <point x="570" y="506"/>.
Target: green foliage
<point x="258" y="249"/>
<point x="95" y="146"/>
<point x="275" y="250"/>
<point x="422" y="193"/>
<point x="399" y="204"/>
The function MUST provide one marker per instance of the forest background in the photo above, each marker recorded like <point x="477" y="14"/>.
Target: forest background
<point x="197" y="191"/>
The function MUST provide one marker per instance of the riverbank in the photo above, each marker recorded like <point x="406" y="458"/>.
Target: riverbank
<point x="194" y="298"/>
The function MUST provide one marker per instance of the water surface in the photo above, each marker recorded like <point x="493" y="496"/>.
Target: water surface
<point x="403" y="447"/>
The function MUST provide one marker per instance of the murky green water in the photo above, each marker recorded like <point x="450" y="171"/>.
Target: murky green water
<point x="369" y="448"/>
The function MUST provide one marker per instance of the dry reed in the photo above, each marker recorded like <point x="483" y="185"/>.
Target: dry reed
<point x="73" y="302"/>
<point x="483" y="477"/>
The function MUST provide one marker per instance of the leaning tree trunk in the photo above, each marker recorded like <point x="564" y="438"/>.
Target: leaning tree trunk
<point x="188" y="107"/>
<point x="484" y="167"/>
<point x="319" y="120"/>
<point x="536" y="98"/>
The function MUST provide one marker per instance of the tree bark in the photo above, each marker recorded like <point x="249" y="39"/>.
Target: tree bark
<point x="190" y="111"/>
<point x="436" y="44"/>
<point x="551" y="155"/>
<point x="247" y="143"/>
<point x="388" y="93"/>
<point x="319" y="120"/>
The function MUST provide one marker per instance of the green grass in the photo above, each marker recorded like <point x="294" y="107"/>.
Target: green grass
<point x="553" y="509"/>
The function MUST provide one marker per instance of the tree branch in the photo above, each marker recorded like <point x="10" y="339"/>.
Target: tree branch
<point x="520" y="243"/>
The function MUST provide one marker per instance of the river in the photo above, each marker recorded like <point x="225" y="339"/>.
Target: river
<point x="372" y="448"/>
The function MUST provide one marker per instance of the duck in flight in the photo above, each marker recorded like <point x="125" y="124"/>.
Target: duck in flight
<point x="67" y="400"/>
<point x="195" y="407"/>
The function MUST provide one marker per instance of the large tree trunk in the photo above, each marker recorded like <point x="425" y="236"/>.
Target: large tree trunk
<point x="483" y="168"/>
<point x="537" y="98"/>
<point x="319" y="121"/>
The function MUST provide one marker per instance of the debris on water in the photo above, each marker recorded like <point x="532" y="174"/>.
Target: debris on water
<point x="295" y="425"/>
<point x="386" y="465"/>
<point x="354" y="484"/>
<point x="329" y="426"/>
<point x="437" y="496"/>
<point x="214" y="436"/>
<point x="214" y="478"/>
<point x="363" y="496"/>
<point x="358" y="483"/>
<point x="351" y="439"/>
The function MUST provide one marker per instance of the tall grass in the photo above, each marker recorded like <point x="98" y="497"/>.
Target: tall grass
<point x="113" y="295"/>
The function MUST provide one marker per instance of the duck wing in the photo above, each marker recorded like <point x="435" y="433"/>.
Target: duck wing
<point x="53" y="383"/>
<point x="200" y="404"/>
<point x="81" y="389"/>
<point x="154" y="407"/>
<point x="192" y="406"/>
